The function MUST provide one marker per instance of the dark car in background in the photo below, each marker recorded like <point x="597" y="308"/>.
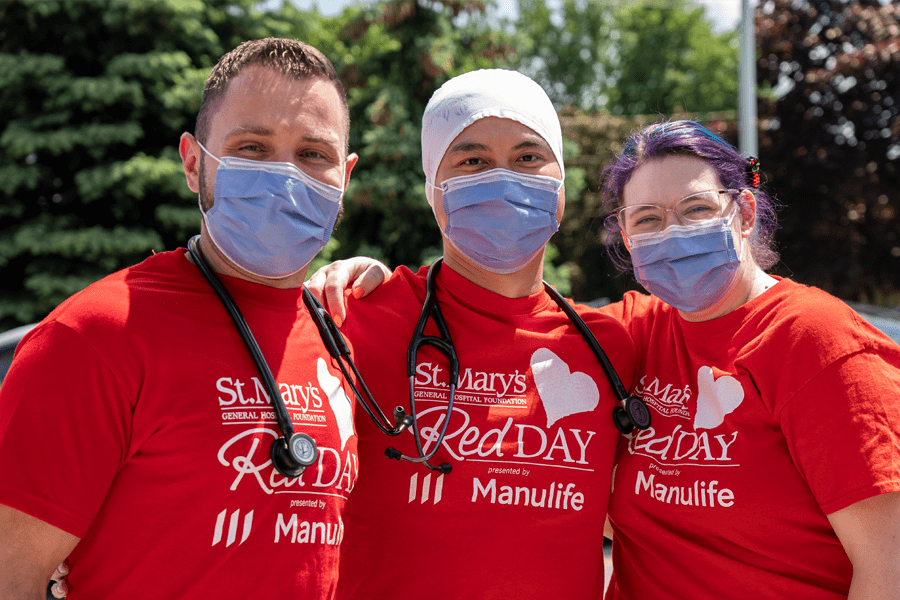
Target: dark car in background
<point x="8" y="342"/>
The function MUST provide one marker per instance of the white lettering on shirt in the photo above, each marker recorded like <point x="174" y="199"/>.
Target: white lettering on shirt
<point x="556" y="496"/>
<point x="700" y="493"/>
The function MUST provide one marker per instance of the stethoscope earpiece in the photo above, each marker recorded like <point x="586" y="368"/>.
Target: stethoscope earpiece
<point x="404" y="421"/>
<point x="443" y="468"/>
<point x="633" y="415"/>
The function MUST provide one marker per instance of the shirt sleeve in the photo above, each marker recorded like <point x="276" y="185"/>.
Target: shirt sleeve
<point x="65" y="423"/>
<point x="843" y="429"/>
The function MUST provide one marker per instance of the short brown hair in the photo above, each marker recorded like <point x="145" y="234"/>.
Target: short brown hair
<point x="289" y="57"/>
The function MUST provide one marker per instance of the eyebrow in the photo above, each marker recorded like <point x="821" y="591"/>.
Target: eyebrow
<point x="263" y="131"/>
<point x="643" y="207"/>
<point x="466" y="146"/>
<point x="532" y="144"/>
<point x="251" y="129"/>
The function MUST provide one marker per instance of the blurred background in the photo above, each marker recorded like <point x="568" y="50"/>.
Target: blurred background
<point x="95" y="93"/>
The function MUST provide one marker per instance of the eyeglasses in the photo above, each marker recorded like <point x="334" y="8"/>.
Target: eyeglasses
<point x="692" y="210"/>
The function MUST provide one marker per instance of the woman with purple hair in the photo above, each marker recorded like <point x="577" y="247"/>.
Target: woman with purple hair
<point x="772" y="465"/>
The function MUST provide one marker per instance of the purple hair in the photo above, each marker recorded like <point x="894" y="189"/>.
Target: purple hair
<point x="688" y="138"/>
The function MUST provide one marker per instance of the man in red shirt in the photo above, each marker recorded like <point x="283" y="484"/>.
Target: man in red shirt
<point x="531" y="437"/>
<point x="162" y="483"/>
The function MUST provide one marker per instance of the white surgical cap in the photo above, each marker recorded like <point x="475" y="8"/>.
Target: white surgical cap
<point x="479" y="94"/>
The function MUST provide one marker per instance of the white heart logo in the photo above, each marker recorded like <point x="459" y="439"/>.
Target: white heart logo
<point x="715" y="398"/>
<point x="337" y="399"/>
<point x="563" y="393"/>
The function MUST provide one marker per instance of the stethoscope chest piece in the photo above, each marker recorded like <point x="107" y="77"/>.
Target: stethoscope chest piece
<point x="633" y="414"/>
<point x="291" y="458"/>
<point x="292" y="452"/>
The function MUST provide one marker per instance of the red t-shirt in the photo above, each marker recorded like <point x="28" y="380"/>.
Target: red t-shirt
<point x="764" y="421"/>
<point x="531" y="442"/>
<point x="134" y="418"/>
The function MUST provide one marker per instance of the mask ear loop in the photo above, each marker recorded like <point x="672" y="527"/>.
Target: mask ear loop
<point x="211" y="155"/>
<point x="429" y="193"/>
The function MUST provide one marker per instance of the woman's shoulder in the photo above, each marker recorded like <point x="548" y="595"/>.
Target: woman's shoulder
<point x="800" y="315"/>
<point x="807" y="307"/>
<point x="636" y="305"/>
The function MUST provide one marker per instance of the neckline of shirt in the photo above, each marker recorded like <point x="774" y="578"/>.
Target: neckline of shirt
<point x="729" y="323"/>
<point x="241" y="289"/>
<point x="467" y="292"/>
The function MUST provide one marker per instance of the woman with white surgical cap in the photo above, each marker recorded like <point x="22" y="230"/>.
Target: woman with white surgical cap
<point x="531" y="440"/>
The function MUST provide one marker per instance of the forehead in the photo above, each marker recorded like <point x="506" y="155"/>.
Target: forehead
<point x="261" y="98"/>
<point x="668" y="179"/>
<point x="496" y="133"/>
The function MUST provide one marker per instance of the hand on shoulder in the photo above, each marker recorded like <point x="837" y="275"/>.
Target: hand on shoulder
<point x="329" y="284"/>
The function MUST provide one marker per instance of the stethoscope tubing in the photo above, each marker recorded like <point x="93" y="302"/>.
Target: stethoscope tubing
<point x="444" y="343"/>
<point x="632" y="413"/>
<point x="588" y="335"/>
<point x="281" y="413"/>
<point x="337" y="348"/>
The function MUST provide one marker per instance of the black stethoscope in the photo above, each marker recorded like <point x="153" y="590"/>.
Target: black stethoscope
<point x="295" y="451"/>
<point x="630" y="414"/>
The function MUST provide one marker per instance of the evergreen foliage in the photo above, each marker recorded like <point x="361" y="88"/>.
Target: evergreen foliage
<point x="95" y="93"/>
<point x="93" y="97"/>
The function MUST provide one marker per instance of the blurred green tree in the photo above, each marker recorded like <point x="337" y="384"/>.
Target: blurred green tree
<point x="667" y="58"/>
<point x="93" y="97"/>
<point x="391" y="57"/>
<point x="567" y="49"/>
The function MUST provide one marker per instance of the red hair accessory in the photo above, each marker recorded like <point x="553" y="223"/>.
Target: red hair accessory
<point x="753" y="172"/>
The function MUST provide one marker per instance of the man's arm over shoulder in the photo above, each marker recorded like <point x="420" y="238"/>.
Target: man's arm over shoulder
<point x="30" y="550"/>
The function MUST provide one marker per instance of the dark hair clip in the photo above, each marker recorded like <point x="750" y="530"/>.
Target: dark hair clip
<point x="753" y="172"/>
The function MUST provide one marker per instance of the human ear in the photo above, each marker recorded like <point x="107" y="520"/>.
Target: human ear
<point x="190" y="158"/>
<point x="352" y="158"/>
<point x="747" y="204"/>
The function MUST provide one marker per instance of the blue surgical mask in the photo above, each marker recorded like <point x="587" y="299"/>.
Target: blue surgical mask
<point x="500" y="219"/>
<point x="270" y="218"/>
<point x="688" y="267"/>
